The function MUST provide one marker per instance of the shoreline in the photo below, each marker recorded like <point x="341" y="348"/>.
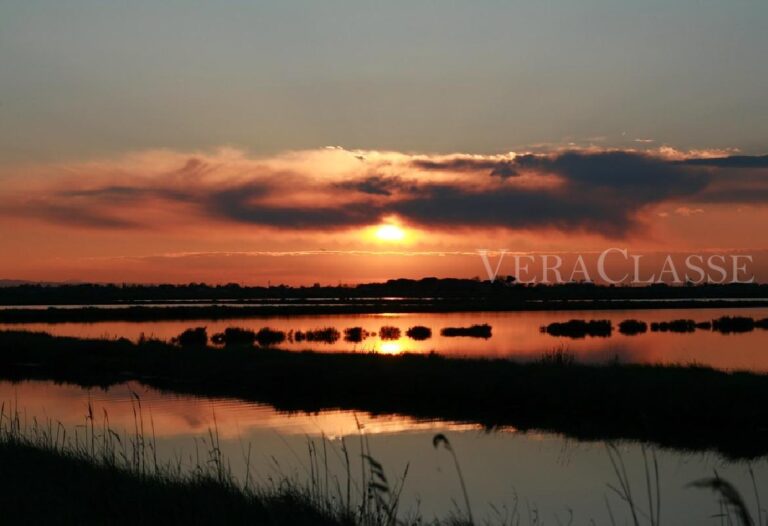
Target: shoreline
<point x="157" y="312"/>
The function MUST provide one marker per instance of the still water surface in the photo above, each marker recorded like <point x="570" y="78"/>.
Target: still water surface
<point x="543" y="472"/>
<point x="515" y="334"/>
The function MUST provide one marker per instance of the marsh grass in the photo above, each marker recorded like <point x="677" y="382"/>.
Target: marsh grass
<point x="191" y="338"/>
<point x="419" y="333"/>
<point x="355" y="334"/>
<point x="681" y="326"/>
<point x="389" y="332"/>
<point x="473" y="331"/>
<point x="268" y="337"/>
<point x="130" y="458"/>
<point x="735" y="324"/>
<point x="580" y="328"/>
<point x="93" y="474"/>
<point x="560" y="357"/>
<point x="632" y="327"/>
<point x="644" y="506"/>
<point x="323" y="335"/>
<point x="687" y="407"/>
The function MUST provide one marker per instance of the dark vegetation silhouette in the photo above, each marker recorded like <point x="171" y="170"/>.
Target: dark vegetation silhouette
<point x="693" y="408"/>
<point x="123" y="482"/>
<point x="474" y="331"/>
<point x="338" y="306"/>
<point x="673" y="326"/>
<point x="233" y="336"/>
<point x="41" y="486"/>
<point x="502" y="289"/>
<point x="724" y="324"/>
<point x="388" y="332"/>
<point x="267" y="337"/>
<point x="323" y="335"/>
<point x="419" y="333"/>
<point x="580" y="328"/>
<point x="197" y="337"/>
<point x="729" y="324"/>
<point x="558" y="357"/>
<point x="632" y="327"/>
<point x="355" y="334"/>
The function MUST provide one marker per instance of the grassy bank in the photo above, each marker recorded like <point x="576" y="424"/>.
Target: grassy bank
<point x="91" y="474"/>
<point x="685" y="407"/>
<point x="40" y="486"/>
<point x="95" y="475"/>
<point x="104" y="479"/>
<point x="230" y="311"/>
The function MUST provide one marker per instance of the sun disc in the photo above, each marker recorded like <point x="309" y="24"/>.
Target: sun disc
<point x="390" y="233"/>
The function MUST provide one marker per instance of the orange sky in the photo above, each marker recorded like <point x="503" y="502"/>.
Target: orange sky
<point x="317" y="215"/>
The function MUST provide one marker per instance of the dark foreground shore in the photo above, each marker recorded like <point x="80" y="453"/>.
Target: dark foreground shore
<point x="39" y="486"/>
<point x="691" y="408"/>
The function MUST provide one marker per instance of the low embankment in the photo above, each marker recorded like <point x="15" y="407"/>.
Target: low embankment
<point x="143" y="313"/>
<point x="684" y="407"/>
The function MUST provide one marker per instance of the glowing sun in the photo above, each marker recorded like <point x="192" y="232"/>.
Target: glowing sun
<point x="390" y="233"/>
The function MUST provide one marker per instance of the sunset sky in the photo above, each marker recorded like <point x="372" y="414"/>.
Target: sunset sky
<point x="303" y="141"/>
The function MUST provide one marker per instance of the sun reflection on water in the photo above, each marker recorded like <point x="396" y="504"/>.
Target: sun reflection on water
<point x="391" y="348"/>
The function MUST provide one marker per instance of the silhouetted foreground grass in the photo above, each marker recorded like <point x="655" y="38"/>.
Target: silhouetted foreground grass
<point x="683" y="407"/>
<point x="52" y="487"/>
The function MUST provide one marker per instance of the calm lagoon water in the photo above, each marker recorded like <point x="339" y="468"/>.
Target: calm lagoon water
<point x="515" y="334"/>
<point x="537" y="472"/>
<point x="544" y="473"/>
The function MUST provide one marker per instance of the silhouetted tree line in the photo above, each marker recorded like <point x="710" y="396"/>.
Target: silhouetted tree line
<point x="501" y="290"/>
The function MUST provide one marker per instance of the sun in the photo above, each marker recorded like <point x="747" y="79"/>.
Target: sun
<point x="390" y="233"/>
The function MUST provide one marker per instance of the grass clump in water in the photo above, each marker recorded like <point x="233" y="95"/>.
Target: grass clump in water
<point x="191" y="338"/>
<point x="267" y="337"/>
<point x="325" y="335"/>
<point x="388" y="332"/>
<point x="580" y="328"/>
<point x="474" y="331"/>
<point x="234" y="337"/>
<point x="355" y="334"/>
<point x="419" y="333"/>
<point x="632" y="327"/>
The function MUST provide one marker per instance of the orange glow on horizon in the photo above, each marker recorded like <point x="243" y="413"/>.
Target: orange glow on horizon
<point x="148" y="217"/>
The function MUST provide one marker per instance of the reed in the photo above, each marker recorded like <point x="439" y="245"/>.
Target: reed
<point x="97" y="475"/>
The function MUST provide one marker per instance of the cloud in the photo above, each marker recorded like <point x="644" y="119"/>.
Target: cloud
<point x="515" y="208"/>
<point x="603" y="192"/>
<point x="242" y="204"/>
<point x="733" y="161"/>
<point x="502" y="168"/>
<point x="687" y="211"/>
<point x="375" y="185"/>
<point x="81" y="217"/>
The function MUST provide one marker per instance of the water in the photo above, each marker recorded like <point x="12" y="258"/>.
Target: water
<point x="539" y="471"/>
<point x="515" y="334"/>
